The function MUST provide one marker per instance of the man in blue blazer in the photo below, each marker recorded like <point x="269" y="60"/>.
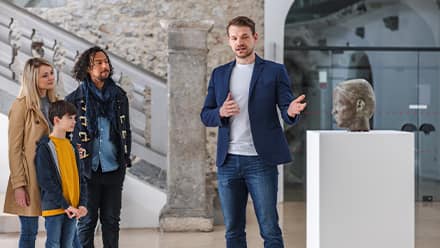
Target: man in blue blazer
<point x="242" y="101"/>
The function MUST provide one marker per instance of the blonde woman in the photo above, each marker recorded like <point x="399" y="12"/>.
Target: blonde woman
<point x="28" y="122"/>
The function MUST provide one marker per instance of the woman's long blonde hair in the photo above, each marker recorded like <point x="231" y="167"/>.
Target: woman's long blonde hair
<point x="29" y="83"/>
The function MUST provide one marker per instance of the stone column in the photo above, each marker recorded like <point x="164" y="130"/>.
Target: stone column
<point x="189" y="206"/>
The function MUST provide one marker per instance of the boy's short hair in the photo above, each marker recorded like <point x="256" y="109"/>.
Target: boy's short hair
<point x="59" y="109"/>
<point x="241" y="21"/>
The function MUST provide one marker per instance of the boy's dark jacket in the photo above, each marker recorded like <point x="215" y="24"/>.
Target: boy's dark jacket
<point x="49" y="178"/>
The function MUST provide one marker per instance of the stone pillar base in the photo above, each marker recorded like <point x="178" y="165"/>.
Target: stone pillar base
<point x="186" y="220"/>
<point x="186" y="224"/>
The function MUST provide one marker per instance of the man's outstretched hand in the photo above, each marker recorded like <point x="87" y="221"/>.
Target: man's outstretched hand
<point x="297" y="106"/>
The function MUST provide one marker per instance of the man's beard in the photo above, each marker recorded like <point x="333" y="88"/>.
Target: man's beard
<point x="102" y="77"/>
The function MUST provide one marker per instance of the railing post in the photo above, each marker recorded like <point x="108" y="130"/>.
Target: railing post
<point x="37" y="44"/>
<point x="158" y="129"/>
<point x="14" y="41"/>
<point x="59" y="62"/>
<point x="189" y="206"/>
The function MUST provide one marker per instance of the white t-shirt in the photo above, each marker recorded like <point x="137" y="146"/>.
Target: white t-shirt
<point x="240" y="140"/>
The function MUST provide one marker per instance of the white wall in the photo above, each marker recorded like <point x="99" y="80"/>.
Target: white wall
<point x="275" y="13"/>
<point x="4" y="162"/>
<point x="141" y="204"/>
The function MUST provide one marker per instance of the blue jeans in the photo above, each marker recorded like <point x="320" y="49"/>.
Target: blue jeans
<point x="76" y="242"/>
<point x="28" y="231"/>
<point x="237" y="177"/>
<point x="60" y="231"/>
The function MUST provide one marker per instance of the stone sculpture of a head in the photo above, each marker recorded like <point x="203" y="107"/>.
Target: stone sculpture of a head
<point x="353" y="104"/>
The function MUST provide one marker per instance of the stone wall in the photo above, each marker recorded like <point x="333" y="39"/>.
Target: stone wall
<point x="131" y="29"/>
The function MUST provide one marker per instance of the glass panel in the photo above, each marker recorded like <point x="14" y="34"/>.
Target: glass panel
<point x="365" y="23"/>
<point x="394" y="76"/>
<point x="309" y="70"/>
<point x="406" y="82"/>
<point x="428" y="166"/>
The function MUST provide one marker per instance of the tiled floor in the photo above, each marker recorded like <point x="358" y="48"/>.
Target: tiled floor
<point x="292" y="216"/>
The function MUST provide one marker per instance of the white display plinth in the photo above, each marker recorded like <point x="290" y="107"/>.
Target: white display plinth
<point x="360" y="189"/>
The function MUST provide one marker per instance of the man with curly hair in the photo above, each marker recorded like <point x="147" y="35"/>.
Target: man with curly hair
<point x="103" y="133"/>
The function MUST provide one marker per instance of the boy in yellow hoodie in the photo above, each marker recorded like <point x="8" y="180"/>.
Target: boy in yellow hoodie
<point x="59" y="174"/>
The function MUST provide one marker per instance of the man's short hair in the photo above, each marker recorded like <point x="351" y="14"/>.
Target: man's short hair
<point x="59" y="109"/>
<point x="241" y="21"/>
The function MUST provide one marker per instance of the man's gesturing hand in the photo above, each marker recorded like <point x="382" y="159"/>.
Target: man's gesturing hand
<point x="297" y="106"/>
<point x="229" y="107"/>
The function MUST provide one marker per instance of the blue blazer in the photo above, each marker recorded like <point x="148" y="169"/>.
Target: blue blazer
<point x="269" y="88"/>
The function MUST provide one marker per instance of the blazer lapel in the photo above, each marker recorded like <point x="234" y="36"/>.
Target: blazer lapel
<point x="258" y="67"/>
<point x="227" y="80"/>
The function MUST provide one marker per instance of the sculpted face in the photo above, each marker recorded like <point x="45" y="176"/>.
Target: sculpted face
<point x="343" y="110"/>
<point x="353" y="104"/>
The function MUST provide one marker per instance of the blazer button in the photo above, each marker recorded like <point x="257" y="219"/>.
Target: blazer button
<point x="37" y="122"/>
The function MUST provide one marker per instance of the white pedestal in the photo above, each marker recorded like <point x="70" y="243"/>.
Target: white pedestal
<point x="360" y="189"/>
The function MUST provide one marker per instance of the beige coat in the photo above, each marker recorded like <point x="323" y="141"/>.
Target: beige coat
<point x="26" y="127"/>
